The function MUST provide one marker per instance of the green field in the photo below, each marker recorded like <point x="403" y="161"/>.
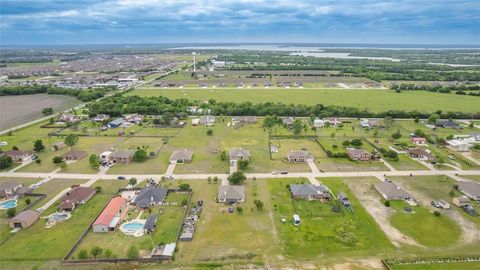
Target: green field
<point x="439" y="266"/>
<point x="375" y="100"/>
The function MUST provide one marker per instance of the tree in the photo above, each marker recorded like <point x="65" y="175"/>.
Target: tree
<point x="297" y="126"/>
<point x="397" y="135"/>
<point x="28" y="201"/>
<point x="242" y="164"/>
<point x="63" y="165"/>
<point x="5" y="162"/>
<point x="167" y="118"/>
<point x="346" y="143"/>
<point x="47" y="111"/>
<point x="108" y="253"/>
<point x="38" y="161"/>
<point x="184" y="186"/>
<point x="387" y="203"/>
<point x="132" y="181"/>
<point x="271" y="121"/>
<point x="98" y="189"/>
<point x="416" y="120"/>
<point x="258" y="204"/>
<point x="209" y="132"/>
<point x="237" y="178"/>
<point x="471" y="125"/>
<point x="83" y="254"/>
<point x="57" y="160"/>
<point x="140" y="155"/>
<point x="94" y="161"/>
<point x="215" y="179"/>
<point x="436" y="213"/>
<point x="71" y="140"/>
<point x="96" y="251"/>
<point x="132" y="252"/>
<point x="38" y="146"/>
<point x="184" y="202"/>
<point x="419" y="133"/>
<point x="11" y="212"/>
<point x="356" y="142"/>
<point x="239" y="210"/>
<point x="432" y="119"/>
<point x="223" y="155"/>
<point x="388" y="121"/>
<point x="15" y="148"/>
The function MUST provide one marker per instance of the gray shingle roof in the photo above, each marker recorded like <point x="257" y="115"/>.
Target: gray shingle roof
<point x="150" y="223"/>
<point x="469" y="188"/>
<point x="307" y="189"/>
<point x="183" y="154"/>
<point x="391" y="190"/>
<point x="230" y="192"/>
<point x="150" y="195"/>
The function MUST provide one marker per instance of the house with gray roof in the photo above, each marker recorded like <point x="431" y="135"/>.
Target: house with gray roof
<point x="181" y="156"/>
<point x="150" y="196"/>
<point x="470" y="189"/>
<point x="288" y="121"/>
<point x="239" y="154"/>
<point x="299" y="156"/>
<point x="231" y="194"/>
<point x="245" y="119"/>
<point x="115" y="123"/>
<point x="9" y="189"/>
<point x="122" y="156"/>
<point x="207" y="120"/>
<point x="310" y="192"/>
<point x="447" y="124"/>
<point x="391" y="191"/>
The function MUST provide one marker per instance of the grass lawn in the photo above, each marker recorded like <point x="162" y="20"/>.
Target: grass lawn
<point x="436" y="187"/>
<point x="428" y="230"/>
<point x="323" y="232"/>
<point x="168" y="222"/>
<point x="372" y="99"/>
<point x="234" y="237"/>
<point x="472" y="177"/>
<point x="438" y="266"/>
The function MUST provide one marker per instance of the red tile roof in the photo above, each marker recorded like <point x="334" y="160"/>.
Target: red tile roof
<point x="110" y="211"/>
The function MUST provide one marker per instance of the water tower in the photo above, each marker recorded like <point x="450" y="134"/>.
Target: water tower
<point x="194" y="63"/>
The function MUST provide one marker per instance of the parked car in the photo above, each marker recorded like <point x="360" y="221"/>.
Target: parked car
<point x="275" y="172"/>
<point x="284" y="172"/>
<point x="40" y="209"/>
<point x="121" y="178"/>
<point x="169" y="177"/>
<point x="435" y="204"/>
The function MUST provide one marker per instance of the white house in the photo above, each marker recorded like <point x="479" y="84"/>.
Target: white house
<point x="458" y="145"/>
<point x="318" y="123"/>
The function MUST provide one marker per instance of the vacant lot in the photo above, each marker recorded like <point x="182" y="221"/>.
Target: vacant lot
<point x="15" y="111"/>
<point x="371" y="99"/>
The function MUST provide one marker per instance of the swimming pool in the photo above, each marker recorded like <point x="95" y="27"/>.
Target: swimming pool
<point x="8" y="204"/>
<point x="134" y="227"/>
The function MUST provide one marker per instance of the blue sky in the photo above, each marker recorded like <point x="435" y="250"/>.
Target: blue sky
<point x="179" y="21"/>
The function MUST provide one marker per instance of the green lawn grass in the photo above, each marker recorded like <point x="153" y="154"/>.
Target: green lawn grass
<point x="372" y="99"/>
<point x="439" y="266"/>
<point x="317" y="234"/>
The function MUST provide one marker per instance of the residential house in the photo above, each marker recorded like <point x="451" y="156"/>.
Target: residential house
<point x="181" y="156"/>
<point x="57" y="146"/>
<point x="69" y="118"/>
<point x="231" y="194"/>
<point x="418" y="140"/>
<point x="458" y="145"/>
<point x="239" y="154"/>
<point x="421" y="154"/>
<point x="475" y="136"/>
<point x="391" y="191"/>
<point x="195" y="121"/>
<point x="122" y="156"/>
<point x="288" y="121"/>
<point x="470" y="189"/>
<point x="149" y="196"/>
<point x="447" y="124"/>
<point x="111" y="215"/>
<point x="9" y="189"/>
<point x="207" y="120"/>
<point x="245" y="119"/>
<point x="18" y="155"/>
<point x="461" y="201"/>
<point x="299" y="156"/>
<point x="115" y="123"/>
<point x="358" y="154"/>
<point x="150" y="224"/>
<point x="333" y="121"/>
<point x="344" y="199"/>
<point x="74" y="155"/>
<point x="318" y="123"/>
<point x="310" y="192"/>
<point x="74" y="197"/>
<point x="23" y="220"/>
<point x="134" y="118"/>
<point x="100" y="118"/>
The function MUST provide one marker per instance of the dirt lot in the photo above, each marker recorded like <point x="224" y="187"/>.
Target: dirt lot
<point x="29" y="107"/>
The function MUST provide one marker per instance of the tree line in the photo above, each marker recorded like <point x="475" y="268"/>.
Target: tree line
<point x="118" y="105"/>
<point x="82" y="95"/>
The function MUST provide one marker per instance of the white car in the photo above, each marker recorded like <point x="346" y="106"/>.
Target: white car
<point x="40" y="210"/>
<point x="275" y="172"/>
<point x="169" y="177"/>
<point x="3" y="143"/>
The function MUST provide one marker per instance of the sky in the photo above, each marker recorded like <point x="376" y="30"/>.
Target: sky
<point x="58" y="22"/>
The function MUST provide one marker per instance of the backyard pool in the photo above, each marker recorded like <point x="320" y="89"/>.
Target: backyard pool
<point x="8" y="204"/>
<point x="56" y="218"/>
<point x="134" y="227"/>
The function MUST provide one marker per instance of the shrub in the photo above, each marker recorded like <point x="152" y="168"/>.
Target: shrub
<point x="387" y="203"/>
<point x="436" y="213"/>
<point x="132" y="252"/>
<point x="83" y="254"/>
<point x="242" y="164"/>
<point x="28" y="201"/>
<point x="57" y="160"/>
<point x="96" y="251"/>
<point x="184" y="186"/>
<point x="209" y="132"/>
<point x="239" y="210"/>
<point x="11" y="212"/>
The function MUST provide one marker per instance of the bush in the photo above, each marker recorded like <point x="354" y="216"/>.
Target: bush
<point x="258" y="204"/>
<point x="132" y="252"/>
<point x="436" y="213"/>
<point x="242" y="164"/>
<point x="108" y="254"/>
<point x="184" y="186"/>
<point x="83" y="254"/>
<point x="387" y="203"/>
<point x="5" y="162"/>
<point x="28" y="201"/>
<point x="98" y="189"/>
<point x="239" y="210"/>
<point x="11" y="212"/>
<point x="184" y="202"/>
<point x="96" y="251"/>
<point x="57" y="160"/>
<point x="140" y="155"/>
<point x="209" y="132"/>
